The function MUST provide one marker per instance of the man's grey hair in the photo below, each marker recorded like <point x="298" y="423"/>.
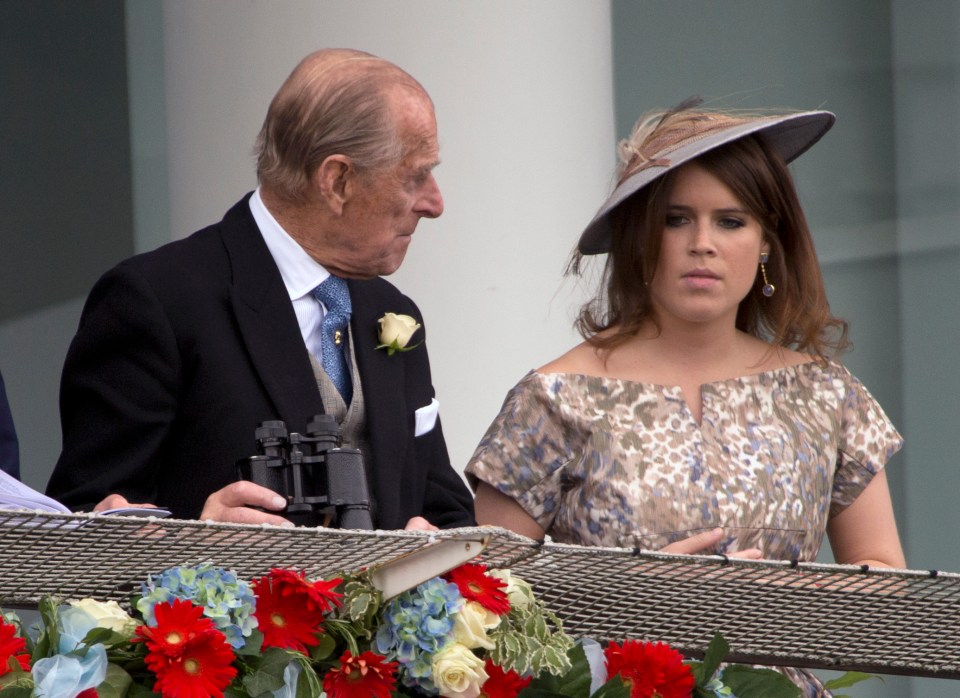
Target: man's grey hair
<point x="336" y="101"/>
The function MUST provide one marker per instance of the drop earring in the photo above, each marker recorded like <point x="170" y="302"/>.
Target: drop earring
<point x="768" y="288"/>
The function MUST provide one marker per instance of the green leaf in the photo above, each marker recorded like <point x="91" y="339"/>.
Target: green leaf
<point x="750" y="682"/>
<point x="17" y="692"/>
<point x="511" y="645"/>
<point x="13" y="672"/>
<point x="308" y="684"/>
<point x="553" y="658"/>
<point x="268" y="674"/>
<point x="534" y="627"/>
<point x="253" y="646"/>
<point x="716" y="652"/>
<point x="115" y="684"/>
<point x="323" y="649"/>
<point x="359" y="605"/>
<point x="850" y="678"/>
<point x="614" y="688"/>
<point x="575" y="683"/>
<point x="49" y="639"/>
<point x="138" y="691"/>
<point x="15" y="678"/>
<point x="103" y="636"/>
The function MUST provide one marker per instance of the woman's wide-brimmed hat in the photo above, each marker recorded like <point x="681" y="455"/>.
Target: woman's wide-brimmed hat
<point x="665" y="140"/>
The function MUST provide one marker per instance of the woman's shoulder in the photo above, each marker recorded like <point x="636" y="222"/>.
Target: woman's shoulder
<point x="582" y="359"/>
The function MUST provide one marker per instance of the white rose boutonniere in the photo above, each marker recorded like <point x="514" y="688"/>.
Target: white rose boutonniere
<point x="396" y="331"/>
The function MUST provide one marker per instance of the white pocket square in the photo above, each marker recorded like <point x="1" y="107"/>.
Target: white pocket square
<point x="426" y="418"/>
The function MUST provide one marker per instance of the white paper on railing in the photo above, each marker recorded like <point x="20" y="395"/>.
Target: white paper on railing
<point x="407" y="571"/>
<point x="17" y="496"/>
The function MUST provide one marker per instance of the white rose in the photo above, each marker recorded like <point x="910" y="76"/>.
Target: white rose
<point x="519" y="593"/>
<point x="109" y="615"/>
<point x="396" y="330"/>
<point x="471" y="624"/>
<point x="458" y="672"/>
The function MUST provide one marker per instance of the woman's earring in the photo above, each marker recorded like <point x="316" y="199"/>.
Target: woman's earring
<point x="768" y="288"/>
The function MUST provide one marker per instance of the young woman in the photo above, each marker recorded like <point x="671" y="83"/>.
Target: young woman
<point x="704" y="412"/>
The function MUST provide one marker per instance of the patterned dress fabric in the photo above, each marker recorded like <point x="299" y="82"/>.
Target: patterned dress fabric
<point x="610" y="462"/>
<point x="616" y="463"/>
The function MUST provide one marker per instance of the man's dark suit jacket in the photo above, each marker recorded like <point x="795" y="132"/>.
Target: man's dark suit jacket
<point x="183" y="351"/>
<point x="9" y="446"/>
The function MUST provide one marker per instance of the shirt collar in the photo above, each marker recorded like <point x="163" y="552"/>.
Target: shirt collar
<point x="300" y="272"/>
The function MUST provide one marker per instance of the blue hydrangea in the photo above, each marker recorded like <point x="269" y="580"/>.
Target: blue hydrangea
<point x="225" y="599"/>
<point x="416" y="625"/>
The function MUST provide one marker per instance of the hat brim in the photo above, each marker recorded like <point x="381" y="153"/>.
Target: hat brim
<point x="791" y="135"/>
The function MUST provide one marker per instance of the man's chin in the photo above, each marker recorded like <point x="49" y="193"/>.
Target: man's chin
<point x="394" y="261"/>
<point x="388" y="269"/>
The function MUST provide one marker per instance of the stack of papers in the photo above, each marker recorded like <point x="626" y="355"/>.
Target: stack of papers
<point x="16" y="496"/>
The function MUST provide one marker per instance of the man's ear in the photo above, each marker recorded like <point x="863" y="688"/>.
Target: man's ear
<point x="334" y="181"/>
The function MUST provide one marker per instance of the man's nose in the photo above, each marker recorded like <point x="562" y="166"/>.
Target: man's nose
<point x="430" y="203"/>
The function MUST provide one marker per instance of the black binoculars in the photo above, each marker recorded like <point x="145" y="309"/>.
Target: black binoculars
<point x="322" y="483"/>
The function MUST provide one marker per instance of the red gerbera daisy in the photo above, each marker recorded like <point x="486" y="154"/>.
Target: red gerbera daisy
<point x="320" y="593"/>
<point x="10" y="646"/>
<point x="368" y="675"/>
<point x="202" y="669"/>
<point x="502" y="684"/>
<point x="177" y="622"/>
<point x="652" y="670"/>
<point x="89" y="693"/>
<point x="286" y="615"/>
<point x="476" y="585"/>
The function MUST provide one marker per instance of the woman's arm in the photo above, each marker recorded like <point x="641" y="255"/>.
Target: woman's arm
<point x="494" y="508"/>
<point x="865" y="533"/>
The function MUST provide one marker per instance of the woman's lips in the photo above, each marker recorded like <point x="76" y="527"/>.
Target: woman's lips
<point x="701" y="278"/>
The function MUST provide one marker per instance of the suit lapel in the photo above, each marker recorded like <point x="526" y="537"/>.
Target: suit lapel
<point x="384" y="398"/>
<point x="267" y="322"/>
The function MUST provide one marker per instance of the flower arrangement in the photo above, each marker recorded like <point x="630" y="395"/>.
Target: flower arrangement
<point x="198" y="632"/>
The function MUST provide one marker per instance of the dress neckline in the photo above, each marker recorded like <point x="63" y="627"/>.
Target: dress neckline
<point x="744" y="379"/>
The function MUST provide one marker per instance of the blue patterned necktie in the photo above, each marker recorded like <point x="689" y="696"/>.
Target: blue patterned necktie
<point x="335" y="296"/>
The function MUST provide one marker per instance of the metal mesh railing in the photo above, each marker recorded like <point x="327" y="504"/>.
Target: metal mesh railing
<point x="819" y="616"/>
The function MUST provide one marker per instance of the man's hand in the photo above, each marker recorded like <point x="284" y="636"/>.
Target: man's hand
<point x="702" y="542"/>
<point x="118" y="501"/>
<point x="233" y="503"/>
<point x="418" y="523"/>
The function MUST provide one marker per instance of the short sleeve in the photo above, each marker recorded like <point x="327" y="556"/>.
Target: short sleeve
<point x="525" y="450"/>
<point x="867" y="441"/>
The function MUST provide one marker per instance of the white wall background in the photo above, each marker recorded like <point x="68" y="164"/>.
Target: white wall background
<point x="523" y="93"/>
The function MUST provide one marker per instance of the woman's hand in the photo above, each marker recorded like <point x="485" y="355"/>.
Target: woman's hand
<point x="703" y="542"/>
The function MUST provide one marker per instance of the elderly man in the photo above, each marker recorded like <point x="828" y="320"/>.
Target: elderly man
<point x="183" y="351"/>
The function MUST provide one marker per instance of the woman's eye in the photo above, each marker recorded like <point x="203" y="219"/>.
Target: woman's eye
<point x="675" y="221"/>
<point x="730" y="223"/>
